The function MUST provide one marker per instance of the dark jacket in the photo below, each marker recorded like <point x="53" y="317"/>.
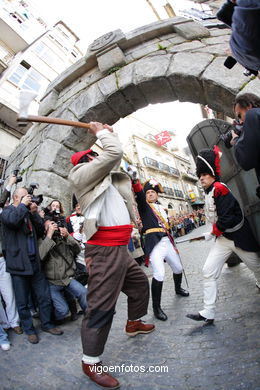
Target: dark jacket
<point x="245" y="42"/>
<point x="149" y="220"/>
<point x="230" y="215"/>
<point x="247" y="146"/>
<point x="15" y="238"/>
<point x="3" y="198"/>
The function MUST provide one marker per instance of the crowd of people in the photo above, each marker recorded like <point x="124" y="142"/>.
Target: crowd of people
<point x="186" y="223"/>
<point x="52" y="264"/>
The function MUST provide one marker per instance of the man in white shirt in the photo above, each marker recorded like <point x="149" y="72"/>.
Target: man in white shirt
<point x="106" y="201"/>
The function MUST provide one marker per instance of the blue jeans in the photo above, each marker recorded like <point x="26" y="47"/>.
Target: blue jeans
<point x="22" y="289"/>
<point x="3" y="335"/>
<point x="60" y="305"/>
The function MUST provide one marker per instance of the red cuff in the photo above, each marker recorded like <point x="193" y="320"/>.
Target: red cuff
<point x="137" y="187"/>
<point x="216" y="231"/>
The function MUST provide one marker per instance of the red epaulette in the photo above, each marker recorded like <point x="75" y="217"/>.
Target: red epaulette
<point x="220" y="189"/>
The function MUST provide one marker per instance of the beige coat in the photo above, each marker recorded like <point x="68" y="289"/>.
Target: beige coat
<point x="90" y="180"/>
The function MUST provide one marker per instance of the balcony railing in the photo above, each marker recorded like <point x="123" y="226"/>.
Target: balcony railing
<point x="189" y="175"/>
<point x="179" y="193"/>
<point x="168" y="191"/>
<point x="163" y="167"/>
<point x="174" y="171"/>
<point x="150" y="162"/>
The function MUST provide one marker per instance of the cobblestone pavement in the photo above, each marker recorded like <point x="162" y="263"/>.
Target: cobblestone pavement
<point x="220" y="357"/>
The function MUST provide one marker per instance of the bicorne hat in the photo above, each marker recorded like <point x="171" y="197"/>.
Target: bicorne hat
<point x="208" y="161"/>
<point x="152" y="184"/>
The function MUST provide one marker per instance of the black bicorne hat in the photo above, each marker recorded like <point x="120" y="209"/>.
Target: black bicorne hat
<point x="153" y="185"/>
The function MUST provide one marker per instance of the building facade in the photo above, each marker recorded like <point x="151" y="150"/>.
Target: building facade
<point x="31" y="56"/>
<point x="175" y="173"/>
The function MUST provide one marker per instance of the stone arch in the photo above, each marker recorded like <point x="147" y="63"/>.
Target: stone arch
<point x="174" y="59"/>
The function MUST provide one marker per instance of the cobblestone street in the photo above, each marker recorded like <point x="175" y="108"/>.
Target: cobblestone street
<point x="220" y="357"/>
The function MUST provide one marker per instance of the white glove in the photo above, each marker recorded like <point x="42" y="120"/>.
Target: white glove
<point x="78" y="236"/>
<point x="208" y="236"/>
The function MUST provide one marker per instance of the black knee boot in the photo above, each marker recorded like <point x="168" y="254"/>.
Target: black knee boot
<point x="73" y="310"/>
<point x="178" y="289"/>
<point x="156" y="296"/>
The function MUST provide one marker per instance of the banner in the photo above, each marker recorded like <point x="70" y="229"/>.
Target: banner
<point x="162" y="138"/>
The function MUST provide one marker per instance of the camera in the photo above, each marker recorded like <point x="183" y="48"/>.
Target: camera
<point x="35" y="198"/>
<point x="55" y="217"/>
<point x="227" y="137"/>
<point x="16" y="173"/>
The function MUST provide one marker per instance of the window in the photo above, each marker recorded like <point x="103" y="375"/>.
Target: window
<point x="26" y="77"/>
<point x="49" y="56"/>
<point x="3" y="165"/>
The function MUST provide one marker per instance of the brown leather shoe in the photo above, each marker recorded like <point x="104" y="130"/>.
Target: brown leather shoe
<point x="136" y="327"/>
<point x="17" y="330"/>
<point x="96" y="374"/>
<point x="53" y="331"/>
<point x="33" y="338"/>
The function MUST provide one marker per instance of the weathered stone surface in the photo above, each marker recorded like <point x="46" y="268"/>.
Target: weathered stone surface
<point x="221" y="85"/>
<point x="253" y="86"/>
<point x="85" y="100"/>
<point x="110" y="58"/>
<point x="215" y="40"/>
<point x="48" y="103"/>
<point x="217" y="50"/>
<point x="191" y="30"/>
<point x="187" y="46"/>
<point x="215" y="32"/>
<point x="150" y="77"/>
<point x="184" y="75"/>
<point x="53" y="157"/>
<point x="53" y="186"/>
<point x="114" y="97"/>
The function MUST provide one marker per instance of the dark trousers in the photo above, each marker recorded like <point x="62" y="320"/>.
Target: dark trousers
<point x="23" y="284"/>
<point x="111" y="270"/>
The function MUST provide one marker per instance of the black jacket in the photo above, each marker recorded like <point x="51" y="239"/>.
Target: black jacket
<point x="229" y="215"/>
<point x="15" y="238"/>
<point x="247" y="147"/>
<point x="244" y="42"/>
<point x="149" y="221"/>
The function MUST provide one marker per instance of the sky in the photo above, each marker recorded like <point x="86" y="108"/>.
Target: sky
<point x="90" y="19"/>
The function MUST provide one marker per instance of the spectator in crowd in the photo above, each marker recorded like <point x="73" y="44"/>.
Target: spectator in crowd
<point x="9" y="317"/>
<point x="247" y="145"/>
<point x="106" y="202"/>
<point x="159" y="245"/>
<point x="231" y="232"/>
<point x="75" y="224"/>
<point x="4" y="341"/>
<point x="21" y="227"/>
<point x="57" y="252"/>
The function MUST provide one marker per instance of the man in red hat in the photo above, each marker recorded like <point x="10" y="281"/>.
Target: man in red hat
<point x="106" y="201"/>
<point x="230" y="230"/>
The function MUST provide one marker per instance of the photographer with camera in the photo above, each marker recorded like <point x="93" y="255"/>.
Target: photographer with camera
<point x="57" y="252"/>
<point x="9" y="317"/>
<point x="247" y="145"/>
<point x="22" y="225"/>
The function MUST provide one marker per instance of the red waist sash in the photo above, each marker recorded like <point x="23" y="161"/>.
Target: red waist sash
<point x="111" y="235"/>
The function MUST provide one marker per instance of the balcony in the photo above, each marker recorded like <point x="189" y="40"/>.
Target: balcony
<point x="178" y="194"/>
<point x="163" y="167"/>
<point x="189" y="176"/>
<point x="174" y="171"/>
<point x="150" y="162"/>
<point x="168" y="191"/>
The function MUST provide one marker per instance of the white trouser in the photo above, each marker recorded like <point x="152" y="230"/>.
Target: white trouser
<point x="9" y="317"/>
<point x="219" y="253"/>
<point x="164" y="251"/>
